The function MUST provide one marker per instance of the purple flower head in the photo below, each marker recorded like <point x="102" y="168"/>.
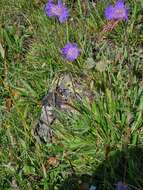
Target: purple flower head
<point x="57" y="10"/>
<point x="118" y="12"/>
<point x="120" y="186"/>
<point x="70" y="51"/>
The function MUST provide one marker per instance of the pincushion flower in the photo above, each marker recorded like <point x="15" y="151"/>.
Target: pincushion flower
<point x="120" y="186"/>
<point x="71" y="51"/>
<point x="58" y="10"/>
<point x="118" y="12"/>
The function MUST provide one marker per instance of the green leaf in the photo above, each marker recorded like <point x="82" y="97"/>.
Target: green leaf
<point x="28" y="170"/>
<point x="101" y="65"/>
<point x="2" y="51"/>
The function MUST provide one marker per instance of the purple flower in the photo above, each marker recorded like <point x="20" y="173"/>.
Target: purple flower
<point x="120" y="186"/>
<point x="70" y="51"/>
<point x="118" y="12"/>
<point x="57" y="10"/>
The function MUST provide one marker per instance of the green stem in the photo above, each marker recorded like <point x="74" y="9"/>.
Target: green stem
<point x="80" y="8"/>
<point x="67" y="32"/>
